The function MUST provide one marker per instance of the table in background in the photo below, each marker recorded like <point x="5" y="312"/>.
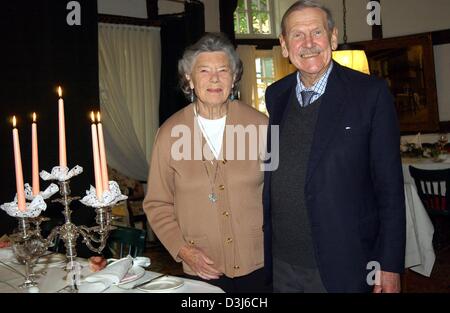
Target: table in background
<point x="419" y="256"/>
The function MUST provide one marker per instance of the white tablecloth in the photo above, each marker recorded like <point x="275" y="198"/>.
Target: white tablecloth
<point x="54" y="280"/>
<point x="420" y="254"/>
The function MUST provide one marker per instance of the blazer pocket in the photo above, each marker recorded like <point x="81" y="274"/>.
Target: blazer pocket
<point x="257" y="244"/>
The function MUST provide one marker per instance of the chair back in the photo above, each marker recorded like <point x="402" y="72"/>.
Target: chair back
<point x="124" y="241"/>
<point x="433" y="187"/>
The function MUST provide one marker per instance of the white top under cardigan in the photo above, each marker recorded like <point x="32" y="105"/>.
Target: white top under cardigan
<point x="213" y="132"/>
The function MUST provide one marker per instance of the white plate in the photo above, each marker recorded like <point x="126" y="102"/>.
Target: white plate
<point x="133" y="274"/>
<point x="51" y="259"/>
<point x="162" y="284"/>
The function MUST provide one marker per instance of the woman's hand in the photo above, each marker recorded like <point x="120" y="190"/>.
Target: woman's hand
<point x="199" y="262"/>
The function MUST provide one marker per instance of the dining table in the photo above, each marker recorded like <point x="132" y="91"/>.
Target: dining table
<point x="54" y="278"/>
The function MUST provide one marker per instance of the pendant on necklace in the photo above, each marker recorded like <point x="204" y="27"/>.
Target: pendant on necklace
<point x="212" y="197"/>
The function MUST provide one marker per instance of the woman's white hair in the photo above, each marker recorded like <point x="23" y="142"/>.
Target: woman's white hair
<point x="211" y="42"/>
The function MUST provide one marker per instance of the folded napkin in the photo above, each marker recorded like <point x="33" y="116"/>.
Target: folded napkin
<point x="7" y="254"/>
<point x="112" y="274"/>
<point x="141" y="261"/>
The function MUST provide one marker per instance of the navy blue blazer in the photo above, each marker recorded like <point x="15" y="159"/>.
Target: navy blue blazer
<point x="354" y="183"/>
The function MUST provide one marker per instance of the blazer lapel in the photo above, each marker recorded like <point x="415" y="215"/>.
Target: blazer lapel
<point x="330" y="112"/>
<point x="279" y="107"/>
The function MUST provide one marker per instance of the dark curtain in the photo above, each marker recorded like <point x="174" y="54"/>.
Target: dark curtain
<point x="195" y="20"/>
<point x="177" y="32"/>
<point x="40" y="52"/>
<point x="227" y="8"/>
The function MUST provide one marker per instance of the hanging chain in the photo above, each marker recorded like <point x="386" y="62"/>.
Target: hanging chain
<point x="345" y="21"/>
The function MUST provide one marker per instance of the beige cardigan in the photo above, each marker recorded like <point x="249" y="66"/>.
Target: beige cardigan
<point x="177" y="205"/>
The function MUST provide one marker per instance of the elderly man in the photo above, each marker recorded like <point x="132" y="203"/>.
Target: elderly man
<point x="334" y="217"/>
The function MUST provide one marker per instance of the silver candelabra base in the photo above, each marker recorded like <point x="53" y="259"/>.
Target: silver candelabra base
<point x="28" y="243"/>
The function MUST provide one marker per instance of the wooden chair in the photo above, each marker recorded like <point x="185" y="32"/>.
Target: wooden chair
<point x="433" y="187"/>
<point x="124" y="241"/>
<point x="136" y="217"/>
<point x="135" y="199"/>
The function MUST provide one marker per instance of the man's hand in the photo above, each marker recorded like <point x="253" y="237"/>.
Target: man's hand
<point x="199" y="262"/>
<point x="389" y="283"/>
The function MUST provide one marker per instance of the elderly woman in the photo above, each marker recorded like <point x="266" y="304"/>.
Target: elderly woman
<point x="204" y="198"/>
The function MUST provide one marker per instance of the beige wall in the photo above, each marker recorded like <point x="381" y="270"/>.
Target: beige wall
<point x="212" y="15"/>
<point x="442" y="64"/>
<point x="133" y="8"/>
<point x="168" y="7"/>
<point x="405" y="17"/>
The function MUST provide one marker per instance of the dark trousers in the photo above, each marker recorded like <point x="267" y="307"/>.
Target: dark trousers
<point x="292" y="278"/>
<point x="254" y="282"/>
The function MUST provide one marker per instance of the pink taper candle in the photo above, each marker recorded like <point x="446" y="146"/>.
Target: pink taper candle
<point x="103" y="163"/>
<point x="96" y="155"/>
<point x="18" y="166"/>
<point x="62" y="131"/>
<point x="35" y="157"/>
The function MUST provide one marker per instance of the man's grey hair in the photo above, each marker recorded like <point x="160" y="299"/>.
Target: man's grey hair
<point x="303" y="4"/>
<point x="210" y="42"/>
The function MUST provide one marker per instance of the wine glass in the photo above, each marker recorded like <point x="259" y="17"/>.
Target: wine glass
<point x="27" y="250"/>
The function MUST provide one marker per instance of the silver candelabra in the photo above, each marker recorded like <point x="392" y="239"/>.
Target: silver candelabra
<point x="28" y="243"/>
<point x="94" y="237"/>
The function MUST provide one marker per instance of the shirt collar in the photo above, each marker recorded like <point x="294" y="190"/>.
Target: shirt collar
<point x="319" y="87"/>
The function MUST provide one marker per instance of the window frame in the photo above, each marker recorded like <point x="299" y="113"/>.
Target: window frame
<point x="251" y="34"/>
<point x="261" y="54"/>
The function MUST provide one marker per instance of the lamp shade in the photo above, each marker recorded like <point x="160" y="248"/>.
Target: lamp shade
<point x="354" y="59"/>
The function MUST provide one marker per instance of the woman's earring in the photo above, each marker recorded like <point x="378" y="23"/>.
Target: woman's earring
<point x="232" y="96"/>
<point x="192" y="96"/>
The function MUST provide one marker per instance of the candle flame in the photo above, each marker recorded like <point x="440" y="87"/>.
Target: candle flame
<point x="34" y="117"/>
<point x="59" y="91"/>
<point x="98" y="117"/>
<point x="92" y="116"/>
<point x="14" y="121"/>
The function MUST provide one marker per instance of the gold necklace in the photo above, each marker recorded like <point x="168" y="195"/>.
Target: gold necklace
<point x="212" y="196"/>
